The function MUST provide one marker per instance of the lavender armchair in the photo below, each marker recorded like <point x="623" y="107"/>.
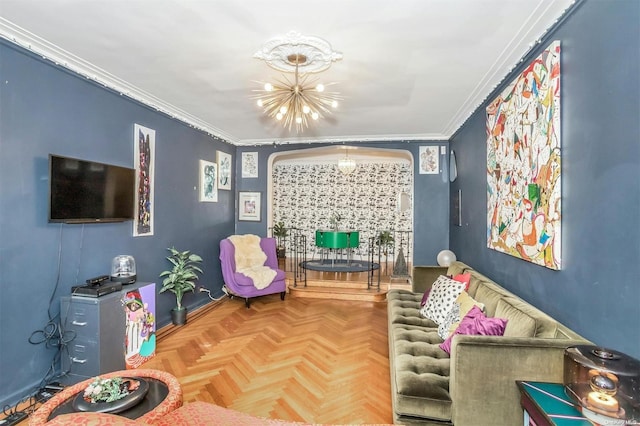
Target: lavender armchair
<point x="242" y="286"/>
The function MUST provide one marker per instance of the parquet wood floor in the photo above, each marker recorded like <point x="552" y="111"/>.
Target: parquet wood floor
<point x="310" y="360"/>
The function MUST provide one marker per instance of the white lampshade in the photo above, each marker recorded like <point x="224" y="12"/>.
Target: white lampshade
<point x="446" y="258"/>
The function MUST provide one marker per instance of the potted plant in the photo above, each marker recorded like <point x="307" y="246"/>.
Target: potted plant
<point x="385" y="241"/>
<point x="280" y="232"/>
<point x="334" y="221"/>
<point x="180" y="280"/>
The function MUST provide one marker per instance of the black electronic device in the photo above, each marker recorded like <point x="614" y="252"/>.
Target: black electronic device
<point x="97" y="280"/>
<point x="83" y="191"/>
<point x="96" y="290"/>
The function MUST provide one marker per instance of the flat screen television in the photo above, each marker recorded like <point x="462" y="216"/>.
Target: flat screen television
<point x="88" y="192"/>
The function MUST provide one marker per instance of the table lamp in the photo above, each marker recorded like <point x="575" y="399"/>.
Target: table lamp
<point x="123" y="269"/>
<point x="605" y="383"/>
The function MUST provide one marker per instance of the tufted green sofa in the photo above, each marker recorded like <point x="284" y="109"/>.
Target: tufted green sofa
<point x="475" y="386"/>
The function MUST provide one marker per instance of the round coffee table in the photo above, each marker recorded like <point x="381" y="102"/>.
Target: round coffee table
<point x="164" y="396"/>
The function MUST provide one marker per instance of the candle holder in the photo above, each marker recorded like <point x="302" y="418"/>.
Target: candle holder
<point x="605" y="383"/>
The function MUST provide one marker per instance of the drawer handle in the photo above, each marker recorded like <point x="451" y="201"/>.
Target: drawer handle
<point x="79" y="323"/>
<point x="78" y="360"/>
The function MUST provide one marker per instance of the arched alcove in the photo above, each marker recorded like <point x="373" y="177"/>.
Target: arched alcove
<point x="305" y="189"/>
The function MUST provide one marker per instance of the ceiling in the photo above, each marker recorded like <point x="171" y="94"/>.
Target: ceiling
<point x="411" y="69"/>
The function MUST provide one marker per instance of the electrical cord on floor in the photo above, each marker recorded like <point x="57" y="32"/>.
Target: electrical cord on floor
<point x="206" y="290"/>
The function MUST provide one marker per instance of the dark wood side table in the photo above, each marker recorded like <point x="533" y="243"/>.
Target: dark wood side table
<point x="546" y="404"/>
<point x="164" y="396"/>
<point x="158" y="391"/>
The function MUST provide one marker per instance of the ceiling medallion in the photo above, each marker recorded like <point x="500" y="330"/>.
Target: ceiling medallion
<point x="298" y="100"/>
<point x="317" y="51"/>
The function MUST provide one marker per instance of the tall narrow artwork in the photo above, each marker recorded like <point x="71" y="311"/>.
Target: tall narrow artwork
<point x="144" y="141"/>
<point x="208" y="181"/>
<point x="523" y="164"/>
<point x="224" y="170"/>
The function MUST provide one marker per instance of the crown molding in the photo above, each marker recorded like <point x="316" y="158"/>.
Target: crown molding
<point x="345" y="139"/>
<point x="512" y="56"/>
<point x="61" y="58"/>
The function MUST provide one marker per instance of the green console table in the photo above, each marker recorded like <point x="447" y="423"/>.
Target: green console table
<point x="338" y="240"/>
<point x="546" y="404"/>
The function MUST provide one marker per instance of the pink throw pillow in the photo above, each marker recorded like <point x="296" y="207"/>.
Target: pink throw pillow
<point x="464" y="278"/>
<point x="476" y="323"/>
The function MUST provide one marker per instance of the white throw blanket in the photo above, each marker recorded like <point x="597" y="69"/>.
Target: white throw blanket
<point x="250" y="260"/>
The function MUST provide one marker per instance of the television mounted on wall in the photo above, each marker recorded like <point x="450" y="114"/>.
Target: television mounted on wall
<point x="83" y="191"/>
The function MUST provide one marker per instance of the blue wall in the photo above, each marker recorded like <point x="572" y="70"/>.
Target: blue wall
<point x="597" y="292"/>
<point x="430" y="198"/>
<point x="48" y="110"/>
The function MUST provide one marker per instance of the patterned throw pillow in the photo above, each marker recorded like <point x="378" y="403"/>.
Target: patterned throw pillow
<point x="461" y="307"/>
<point x="444" y="292"/>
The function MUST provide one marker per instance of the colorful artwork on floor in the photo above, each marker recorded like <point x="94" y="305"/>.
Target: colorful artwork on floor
<point x="140" y="334"/>
<point x="523" y="164"/>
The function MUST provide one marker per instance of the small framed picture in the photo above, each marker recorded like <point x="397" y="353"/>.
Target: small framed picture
<point x="224" y="170"/>
<point x="429" y="160"/>
<point x="249" y="164"/>
<point x="208" y="181"/>
<point x="249" y="206"/>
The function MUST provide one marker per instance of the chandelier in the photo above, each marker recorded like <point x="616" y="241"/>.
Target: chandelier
<point x="346" y="165"/>
<point x="297" y="99"/>
<point x="296" y="102"/>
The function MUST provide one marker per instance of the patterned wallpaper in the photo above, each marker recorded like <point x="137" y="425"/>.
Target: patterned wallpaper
<point x="306" y="195"/>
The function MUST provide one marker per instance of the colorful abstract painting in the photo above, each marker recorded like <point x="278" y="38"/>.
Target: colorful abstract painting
<point x="523" y="164"/>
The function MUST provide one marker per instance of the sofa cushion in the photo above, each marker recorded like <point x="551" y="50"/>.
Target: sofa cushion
<point x="524" y="319"/>
<point x="461" y="307"/>
<point x="403" y="307"/>
<point x="421" y="373"/>
<point x="441" y="299"/>
<point x="476" y="323"/>
<point x="490" y="294"/>
<point x="476" y="279"/>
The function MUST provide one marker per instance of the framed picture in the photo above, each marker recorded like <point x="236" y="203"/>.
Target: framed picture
<point x="249" y="164"/>
<point x="249" y="206"/>
<point x="144" y="151"/>
<point x="208" y="181"/>
<point x="224" y="170"/>
<point x="429" y="160"/>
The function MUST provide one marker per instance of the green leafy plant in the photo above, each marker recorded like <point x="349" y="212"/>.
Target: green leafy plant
<point x="181" y="279"/>
<point x="280" y="232"/>
<point x="385" y="241"/>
